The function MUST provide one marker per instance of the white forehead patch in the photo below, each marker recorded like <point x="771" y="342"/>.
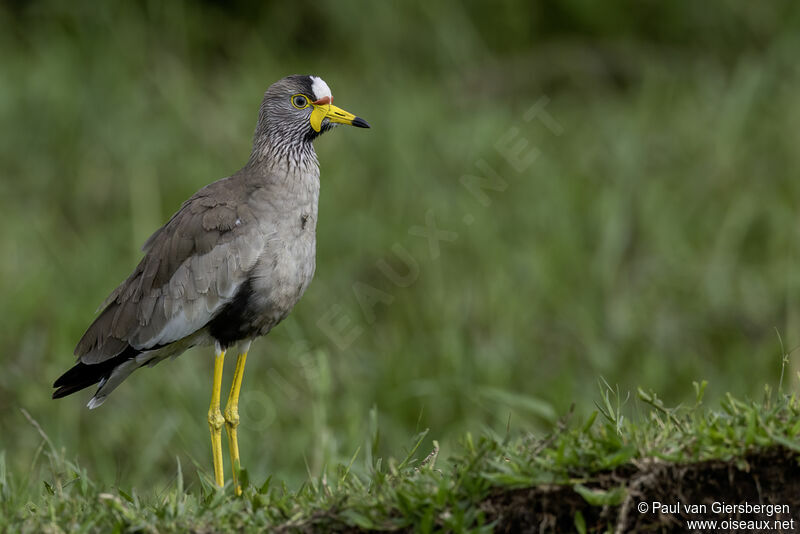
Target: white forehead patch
<point x="320" y="88"/>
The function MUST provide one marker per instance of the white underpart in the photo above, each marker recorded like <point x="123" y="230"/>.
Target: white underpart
<point x="191" y="316"/>
<point x="320" y="88"/>
<point x="177" y="328"/>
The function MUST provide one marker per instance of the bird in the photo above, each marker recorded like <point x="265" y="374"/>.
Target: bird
<point x="226" y="268"/>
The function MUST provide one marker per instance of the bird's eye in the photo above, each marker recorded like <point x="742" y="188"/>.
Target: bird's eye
<point x="299" y="101"/>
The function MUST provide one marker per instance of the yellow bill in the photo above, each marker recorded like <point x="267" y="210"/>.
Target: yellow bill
<point x="323" y="109"/>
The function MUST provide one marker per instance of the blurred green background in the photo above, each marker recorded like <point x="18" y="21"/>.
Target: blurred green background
<point x="653" y="242"/>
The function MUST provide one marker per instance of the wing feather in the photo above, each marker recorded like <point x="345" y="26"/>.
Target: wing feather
<point x="192" y="266"/>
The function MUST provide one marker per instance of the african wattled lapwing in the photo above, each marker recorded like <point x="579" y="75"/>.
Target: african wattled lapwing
<point x="227" y="267"/>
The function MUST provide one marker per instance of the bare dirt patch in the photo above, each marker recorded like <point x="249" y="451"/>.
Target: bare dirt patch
<point x="770" y="476"/>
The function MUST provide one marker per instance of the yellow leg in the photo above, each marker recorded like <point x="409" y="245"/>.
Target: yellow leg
<point x="232" y="414"/>
<point x="215" y="419"/>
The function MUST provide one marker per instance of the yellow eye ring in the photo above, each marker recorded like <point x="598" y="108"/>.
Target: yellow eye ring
<point x="299" y="101"/>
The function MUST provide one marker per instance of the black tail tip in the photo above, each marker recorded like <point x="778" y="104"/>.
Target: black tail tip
<point x="62" y="392"/>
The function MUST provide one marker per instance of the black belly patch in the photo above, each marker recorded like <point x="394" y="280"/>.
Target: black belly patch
<point x="235" y="321"/>
<point x="303" y="221"/>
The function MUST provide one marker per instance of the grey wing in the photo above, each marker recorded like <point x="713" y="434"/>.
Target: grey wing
<point x="192" y="266"/>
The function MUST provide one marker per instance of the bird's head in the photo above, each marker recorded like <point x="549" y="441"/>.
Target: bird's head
<point x="297" y="109"/>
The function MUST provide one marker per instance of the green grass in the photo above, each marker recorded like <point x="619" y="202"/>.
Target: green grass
<point x="653" y="242"/>
<point x="416" y="490"/>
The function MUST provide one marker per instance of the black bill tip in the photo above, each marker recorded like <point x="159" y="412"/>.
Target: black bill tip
<point x="361" y="123"/>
